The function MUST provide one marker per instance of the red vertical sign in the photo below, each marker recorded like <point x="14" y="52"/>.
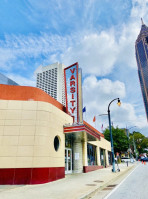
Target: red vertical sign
<point x="71" y="91"/>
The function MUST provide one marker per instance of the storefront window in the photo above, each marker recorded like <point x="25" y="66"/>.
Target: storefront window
<point x="110" y="157"/>
<point x="102" y="157"/>
<point x="91" y="154"/>
<point x="68" y="140"/>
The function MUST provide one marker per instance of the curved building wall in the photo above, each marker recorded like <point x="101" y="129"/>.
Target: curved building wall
<point x="27" y="132"/>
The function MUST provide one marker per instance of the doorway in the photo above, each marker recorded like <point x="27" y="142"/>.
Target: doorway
<point x="102" y="157"/>
<point x="68" y="160"/>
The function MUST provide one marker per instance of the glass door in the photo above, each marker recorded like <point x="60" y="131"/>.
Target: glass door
<point x="68" y="160"/>
<point x="102" y="157"/>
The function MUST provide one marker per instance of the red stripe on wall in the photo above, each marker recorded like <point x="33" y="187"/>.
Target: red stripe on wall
<point x="87" y="169"/>
<point x="92" y="128"/>
<point x="81" y="128"/>
<point x="18" y="176"/>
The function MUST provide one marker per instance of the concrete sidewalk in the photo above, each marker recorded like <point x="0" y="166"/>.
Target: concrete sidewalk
<point x="74" y="186"/>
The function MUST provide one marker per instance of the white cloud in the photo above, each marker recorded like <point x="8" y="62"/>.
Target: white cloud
<point x="130" y="31"/>
<point x="96" y="53"/>
<point x="6" y="55"/>
<point x="97" y="95"/>
<point x="22" y="81"/>
<point x="139" y="9"/>
<point x="102" y="89"/>
<point x="126" y="45"/>
<point x="126" y="117"/>
<point x="14" y="48"/>
<point x="99" y="53"/>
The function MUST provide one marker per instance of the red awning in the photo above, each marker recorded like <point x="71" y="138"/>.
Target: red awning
<point x="80" y="128"/>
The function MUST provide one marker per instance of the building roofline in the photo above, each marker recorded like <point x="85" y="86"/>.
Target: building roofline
<point x="78" y="127"/>
<point x="92" y="128"/>
<point x="27" y="93"/>
<point x="143" y="32"/>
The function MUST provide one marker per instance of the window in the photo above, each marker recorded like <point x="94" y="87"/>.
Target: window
<point x="146" y="40"/>
<point x="91" y="154"/>
<point x="56" y="143"/>
<point x="102" y="157"/>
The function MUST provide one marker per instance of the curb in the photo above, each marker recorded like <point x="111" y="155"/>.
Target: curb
<point x="91" y="193"/>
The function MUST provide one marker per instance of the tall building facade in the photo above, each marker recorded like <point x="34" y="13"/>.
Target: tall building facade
<point x="141" y="48"/>
<point x="50" y="79"/>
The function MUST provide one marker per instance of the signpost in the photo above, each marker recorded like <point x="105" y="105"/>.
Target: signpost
<point x="71" y="91"/>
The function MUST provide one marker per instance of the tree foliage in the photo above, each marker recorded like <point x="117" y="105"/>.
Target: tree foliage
<point x="137" y="142"/>
<point x="120" y="140"/>
<point x="141" y="142"/>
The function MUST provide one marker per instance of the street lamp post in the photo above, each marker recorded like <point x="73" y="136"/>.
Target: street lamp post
<point x="110" y="129"/>
<point x="135" y="149"/>
<point x="96" y="118"/>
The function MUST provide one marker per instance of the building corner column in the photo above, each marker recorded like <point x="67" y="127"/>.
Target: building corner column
<point x="98" y="156"/>
<point x="106" y="154"/>
<point x="85" y="161"/>
<point x="78" y="154"/>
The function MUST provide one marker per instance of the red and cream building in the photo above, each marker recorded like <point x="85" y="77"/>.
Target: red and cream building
<point x="40" y="143"/>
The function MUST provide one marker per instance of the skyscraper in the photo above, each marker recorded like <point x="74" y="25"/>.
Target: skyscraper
<point x="141" y="48"/>
<point x="50" y="79"/>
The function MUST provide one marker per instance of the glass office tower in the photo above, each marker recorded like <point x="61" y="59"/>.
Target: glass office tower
<point x="6" y="80"/>
<point x="141" y="48"/>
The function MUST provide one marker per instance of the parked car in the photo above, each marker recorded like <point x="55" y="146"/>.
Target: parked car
<point x="145" y="159"/>
<point x="141" y="158"/>
<point x="126" y="159"/>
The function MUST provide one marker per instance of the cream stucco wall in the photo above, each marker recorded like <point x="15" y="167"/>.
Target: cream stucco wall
<point x="105" y="144"/>
<point x="102" y="143"/>
<point x="27" y="132"/>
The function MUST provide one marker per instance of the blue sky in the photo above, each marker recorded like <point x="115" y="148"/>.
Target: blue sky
<point x="99" y="34"/>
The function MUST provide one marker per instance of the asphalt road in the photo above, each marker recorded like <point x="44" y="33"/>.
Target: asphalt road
<point x="133" y="186"/>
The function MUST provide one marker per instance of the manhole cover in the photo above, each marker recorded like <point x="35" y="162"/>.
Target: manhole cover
<point x="90" y="184"/>
<point x="112" y="185"/>
<point x="98" y="181"/>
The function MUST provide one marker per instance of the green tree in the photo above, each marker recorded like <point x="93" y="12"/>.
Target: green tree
<point x="141" y="142"/>
<point x="120" y="140"/>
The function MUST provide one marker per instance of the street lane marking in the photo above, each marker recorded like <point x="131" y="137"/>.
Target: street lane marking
<point x="120" y="183"/>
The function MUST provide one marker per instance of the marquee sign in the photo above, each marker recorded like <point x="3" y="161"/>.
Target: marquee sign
<point x="71" y="91"/>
